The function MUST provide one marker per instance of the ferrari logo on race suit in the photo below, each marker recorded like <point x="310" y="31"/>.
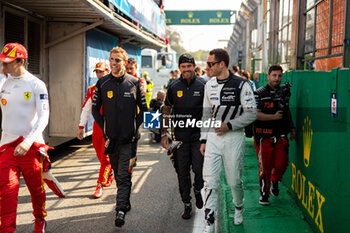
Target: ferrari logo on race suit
<point x="110" y="94"/>
<point x="27" y="95"/>
<point x="179" y="94"/>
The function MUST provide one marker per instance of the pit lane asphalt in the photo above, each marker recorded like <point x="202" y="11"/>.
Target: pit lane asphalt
<point x="155" y="199"/>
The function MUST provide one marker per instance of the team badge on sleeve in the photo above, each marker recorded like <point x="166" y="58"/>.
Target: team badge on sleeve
<point x="27" y="95"/>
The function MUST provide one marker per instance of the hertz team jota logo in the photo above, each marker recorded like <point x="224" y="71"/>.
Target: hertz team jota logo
<point x="307" y="140"/>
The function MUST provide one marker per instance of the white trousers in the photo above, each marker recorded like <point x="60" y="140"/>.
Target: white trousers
<point x="227" y="149"/>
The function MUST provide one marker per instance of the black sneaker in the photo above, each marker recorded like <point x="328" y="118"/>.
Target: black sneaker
<point x="128" y="207"/>
<point x="274" y="189"/>
<point x="187" y="212"/>
<point x="264" y="200"/>
<point x="199" y="199"/>
<point x="120" y="218"/>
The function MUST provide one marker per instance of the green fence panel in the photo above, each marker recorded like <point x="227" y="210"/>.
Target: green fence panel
<point x="318" y="174"/>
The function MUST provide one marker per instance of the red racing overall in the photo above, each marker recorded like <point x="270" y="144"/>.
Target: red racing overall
<point x="31" y="166"/>
<point x="98" y="140"/>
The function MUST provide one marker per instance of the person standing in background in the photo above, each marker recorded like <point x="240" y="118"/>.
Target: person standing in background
<point x="105" y="177"/>
<point x="149" y="87"/>
<point x="131" y="68"/>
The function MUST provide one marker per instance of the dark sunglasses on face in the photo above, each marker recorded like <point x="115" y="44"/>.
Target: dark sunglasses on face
<point x="211" y="64"/>
<point x="117" y="60"/>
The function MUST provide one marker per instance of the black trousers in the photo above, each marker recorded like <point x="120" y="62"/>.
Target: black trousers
<point x="186" y="156"/>
<point x="122" y="160"/>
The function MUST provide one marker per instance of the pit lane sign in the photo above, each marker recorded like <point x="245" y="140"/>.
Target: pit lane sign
<point x="199" y="17"/>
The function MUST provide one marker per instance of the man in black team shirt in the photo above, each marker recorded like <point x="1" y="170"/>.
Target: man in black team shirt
<point x="185" y="97"/>
<point x="119" y="94"/>
<point x="270" y="133"/>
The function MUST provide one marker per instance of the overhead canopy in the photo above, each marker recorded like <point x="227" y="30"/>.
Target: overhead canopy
<point x="90" y="11"/>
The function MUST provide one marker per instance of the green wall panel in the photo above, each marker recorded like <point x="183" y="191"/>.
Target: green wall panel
<point x="319" y="173"/>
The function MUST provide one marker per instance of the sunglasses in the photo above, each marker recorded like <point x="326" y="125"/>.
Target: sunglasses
<point x="117" y="60"/>
<point x="211" y="64"/>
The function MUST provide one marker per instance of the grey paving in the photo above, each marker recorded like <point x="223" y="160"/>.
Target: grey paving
<point x="156" y="203"/>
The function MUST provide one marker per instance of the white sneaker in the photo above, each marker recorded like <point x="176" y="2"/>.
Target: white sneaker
<point x="209" y="228"/>
<point x="238" y="219"/>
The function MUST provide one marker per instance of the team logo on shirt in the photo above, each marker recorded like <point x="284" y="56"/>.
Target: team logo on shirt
<point x="110" y="94"/>
<point x="180" y="94"/>
<point x="3" y="102"/>
<point x="196" y="93"/>
<point x="27" y="95"/>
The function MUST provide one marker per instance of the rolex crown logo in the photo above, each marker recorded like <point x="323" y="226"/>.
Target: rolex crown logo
<point x="307" y="140"/>
<point x="190" y="14"/>
<point x="219" y="14"/>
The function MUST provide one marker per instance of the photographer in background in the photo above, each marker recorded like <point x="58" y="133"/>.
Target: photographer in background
<point x="273" y="125"/>
<point x="185" y="98"/>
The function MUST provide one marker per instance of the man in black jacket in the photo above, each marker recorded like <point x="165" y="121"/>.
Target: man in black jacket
<point x="185" y="97"/>
<point x="119" y="94"/>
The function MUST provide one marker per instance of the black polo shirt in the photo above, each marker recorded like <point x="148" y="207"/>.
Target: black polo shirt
<point x="186" y="101"/>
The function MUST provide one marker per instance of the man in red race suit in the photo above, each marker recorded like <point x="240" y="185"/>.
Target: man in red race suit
<point x="106" y="176"/>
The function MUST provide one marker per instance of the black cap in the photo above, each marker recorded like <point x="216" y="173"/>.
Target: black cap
<point x="186" y="58"/>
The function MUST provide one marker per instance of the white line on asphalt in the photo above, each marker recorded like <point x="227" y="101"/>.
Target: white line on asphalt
<point x="141" y="181"/>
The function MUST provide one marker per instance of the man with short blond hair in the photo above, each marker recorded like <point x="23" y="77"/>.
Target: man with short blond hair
<point x="119" y="94"/>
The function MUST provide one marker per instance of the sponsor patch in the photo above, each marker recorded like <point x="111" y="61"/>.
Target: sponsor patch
<point x="214" y="98"/>
<point x="27" y="95"/>
<point x="44" y="96"/>
<point x="228" y="98"/>
<point x="127" y="94"/>
<point x="196" y="93"/>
